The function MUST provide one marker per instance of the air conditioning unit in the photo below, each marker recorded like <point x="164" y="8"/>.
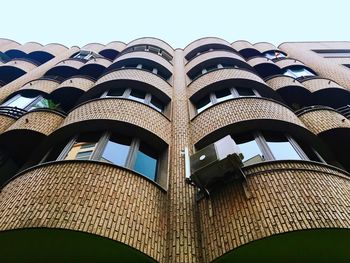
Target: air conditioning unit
<point x="215" y="162"/>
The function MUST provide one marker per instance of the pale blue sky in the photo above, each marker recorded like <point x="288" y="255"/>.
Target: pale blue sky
<point x="177" y="22"/>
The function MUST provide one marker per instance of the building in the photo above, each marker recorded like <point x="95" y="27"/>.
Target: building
<point x="92" y="144"/>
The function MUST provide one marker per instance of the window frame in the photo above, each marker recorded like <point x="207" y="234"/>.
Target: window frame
<point x="35" y="100"/>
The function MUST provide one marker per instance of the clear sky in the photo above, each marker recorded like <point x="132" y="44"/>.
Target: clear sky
<point x="77" y="22"/>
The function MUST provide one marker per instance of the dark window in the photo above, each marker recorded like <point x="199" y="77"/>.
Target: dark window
<point x="138" y="95"/>
<point x="222" y="95"/>
<point x="116" y="92"/>
<point x="245" y="92"/>
<point x="157" y="104"/>
<point x="204" y="103"/>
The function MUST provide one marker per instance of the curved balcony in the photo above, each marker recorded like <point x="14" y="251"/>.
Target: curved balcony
<point x="47" y="52"/>
<point x="28" y="131"/>
<point x="7" y="118"/>
<point x="95" y="67"/>
<point x="214" y="57"/>
<point x="291" y="90"/>
<point x="97" y="199"/>
<point x="15" y="69"/>
<point x="21" y="51"/>
<point x="7" y="44"/>
<point x="196" y="46"/>
<point x="152" y="41"/>
<point x="243" y="114"/>
<point x="164" y="67"/>
<point x="286" y="198"/>
<point x="333" y="128"/>
<point x="42" y="85"/>
<point x="131" y="77"/>
<point x="323" y="89"/>
<point x="264" y="66"/>
<point x="133" y="116"/>
<point x="94" y="47"/>
<point x="264" y="47"/>
<point x="219" y="77"/>
<point x="66" y="68"/>
<point x="289" y="62"/>
<point x="111" y="50"/>
<point x="246" y="49"/>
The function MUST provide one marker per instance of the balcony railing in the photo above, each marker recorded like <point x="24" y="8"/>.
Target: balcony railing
<point x="13" y="112"/>
<point x="345" y="110"/>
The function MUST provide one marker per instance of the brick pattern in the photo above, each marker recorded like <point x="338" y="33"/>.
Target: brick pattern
<point x="99" y="61"/>
<point x="322" y="120"/>
<point x="221" y="115"/>
<point x="205" y="41"/>
<point x="324" y="67"/>
<point x="259" y="60"/>
<point x="73" y="63"/>
<point x="221" y="75"/>
<point x="44" y="85"/>
<point x="242" y="44"/>
<point x="91" y="197"/>
<point x="138" y="75"/>
<point x="183" y="244"/>
<point x="287" y="62"/>
<point x="21" y="64"/>
<point x="285" y="197"/>
<point x="95" y="47"/>
<point x="317" y="84"/>
<point x="42" y="121"/>
<point x="116" y="45"/>
<point x="146" y="55"/>
<point x="54" y="49"/>
<point x="123" y="110"/>
<point x="8" y="44"/>
<point x="213" y="55"/>
<point x="264" y="46"/>
<point x="281" y="81"/>
<point x="81" y="83"/>
<point x="152" y="41"/>
<point x="5" y="122"/>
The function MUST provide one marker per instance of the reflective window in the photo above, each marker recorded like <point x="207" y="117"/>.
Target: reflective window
<point x="281" y="147"/>
<point x="298" y="72"/>
<point x="156" y="104"/>
<point x="116" y="150"/>
<point x="274" y="54"/>
<point x="146" y="161"/>
<point x="249" y="147"/>
<point x="20" y="101"/>
<point x="83" y="147"/>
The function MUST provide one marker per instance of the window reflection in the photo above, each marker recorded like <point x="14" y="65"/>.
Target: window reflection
<point x="146" y="161"/>
<point x="280" y="147"/>
<point x="83" y="147"/>
<point x="248" y="146"/>
<point x="116" y="150"/>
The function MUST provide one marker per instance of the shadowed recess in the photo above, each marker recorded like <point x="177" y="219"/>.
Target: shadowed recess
<point x="59" y="245"/>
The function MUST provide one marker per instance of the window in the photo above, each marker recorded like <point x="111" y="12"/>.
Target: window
<point x="87" y="55"/>
<point x="29" y="103"/>
<point x="137" y="95"/>
<point x="334" y="53"/>
<point x="298" y="72"/>
<point x="152" y="49"/>
<point x="112" y="148"/>
<point x="260" y="146"/>
<point x="222" y="95"/>
<point x="274" y="54"/>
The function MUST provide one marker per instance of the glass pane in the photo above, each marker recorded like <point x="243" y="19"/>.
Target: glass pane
<point x="116" y="150"/>
<point x="20" y="101"/>
<point x="146" y="162"/>
<point x="116" y="92"/>
<point x="138" y="95"/>
<point x="281" y="148"/>
<point x="157" y="104"/>
<point x="248" y="146"/>
<point x="223" y="94"/>
<point x="245" y="92"/>
<point x="45" y="103"/>
<point x="83" y="147"/>
<point x="202" y="104"/>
